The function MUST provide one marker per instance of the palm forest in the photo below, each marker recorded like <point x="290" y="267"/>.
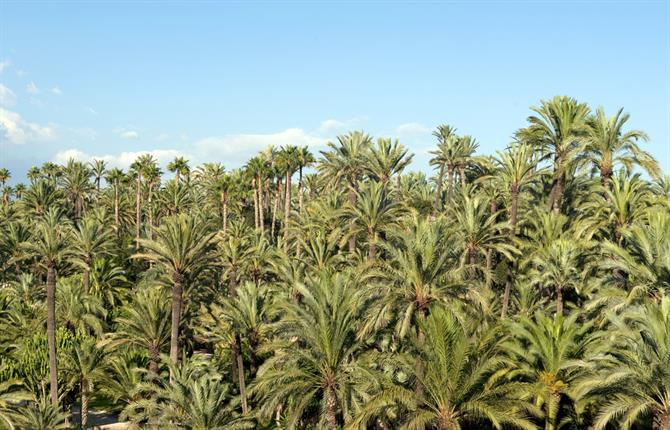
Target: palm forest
<point x="337" y="289"/>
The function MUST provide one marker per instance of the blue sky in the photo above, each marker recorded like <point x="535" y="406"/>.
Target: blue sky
<point x="219" y="81"/>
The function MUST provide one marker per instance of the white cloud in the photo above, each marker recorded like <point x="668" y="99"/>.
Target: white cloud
<point x="90" y="110"/>
<point x="32" y="88"/>
<point x="7" y="96"/>
<point x="15" y="129"/>
<point x="56" y="90"/>
<point x="4" y="64"/>
<point x="336" y="125"/>
<point x="235" y="149"/>
<point x="122" y="160"/>
<point x="412" y="128"/>
<point x="129" y="135"/>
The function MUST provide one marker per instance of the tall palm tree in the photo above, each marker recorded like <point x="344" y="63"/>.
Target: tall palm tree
<point x="444" y="159"/>
<point x="607" y="145"/>
<point x="114" y="177"/>
<point x="4" y="176"/>
<point x="182" y="248"/>
<point x="90" y="240"/>
<point x="76" y="186"/>
<point x="466" y="146"/>
<point x="385" y="159"/>
<point x="372" y="213"/>
<point x="343" y="164"/>
<point x="50" y="243"/>
<point x="99" y="169"/>
<point x="304" y="159"/>
<point x="461" y="379"/>
<point x="139" y="167"/>
<point x="179" y="166"/>
<point x="559" y="131"/>
<point x="516" y="169"/>
<point x="288" y="160"/>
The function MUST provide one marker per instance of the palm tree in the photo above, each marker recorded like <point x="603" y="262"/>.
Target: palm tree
<point x="550" y="356"/>
<point x="637" y="382"/>
<point x="139" y="167"/>
<point x="224" y="186"/>
<point x="90" y="240"/>
<point x="4" y="176"/>
<point x="11" y="393"/>
<point x="466" y="146"/>
<point x="516" y="169"/>
<point x="179" y="166"/>
<point x="344" y="165"/>
<point x="87" y="366"/>
<point x="76" y="186"/>
<point x="371" y="213"/>
<point x="316" y="354"/>
<point x="114" y="178"/>
<point x="444" y="159"/>
<point x="304" y="159"/>
<point x="99" y="169"/>
<point x="386" y="159"/>
<point x="289" y="161"/>
<point x="461" y="379"/>
<point x="558" y="131"/>
<point x="145" y="323"/>
<point x="181" y="248"/>
<point x="607" y="146"/>
<point x="41" y="415"/>
<point x="50" y="244"/>
<point x="257" y="169"/>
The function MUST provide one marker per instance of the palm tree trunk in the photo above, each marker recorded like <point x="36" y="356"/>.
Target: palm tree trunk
<point x="372" y="245"/>
<point x="116" y="209"/>
<point x="275" y="208"/>
<point x="240" y="373"/>
<point x="154" y="356"/>
<point x="559" y="300"/>
<point x="256" y="217"/>
<point x="86" y="278"/>
<point x="287" y="208"/>
<point x="84" y="404"/>
<point x="177" y="292"/>
<point x="462" y="175"/>
<point x="450" y="174"/>
<point x="514" y="192"/>
<point x="661" y="420"/>
<point x="351" y="196"/>
<point x="177" y="177"/>
<point x="331" y="408"/>
<point x="261" y="210"/>
<point x="138" y="211"/>
<point x="437" y="206"/>
<point x="51" y="332"/>
<point x="151" y="212"/>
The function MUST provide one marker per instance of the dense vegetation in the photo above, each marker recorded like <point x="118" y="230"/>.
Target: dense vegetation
<point x="524" y="290"/>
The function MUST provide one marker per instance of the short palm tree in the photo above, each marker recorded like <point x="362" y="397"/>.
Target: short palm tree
<point x="315" y="360"/>
<point x="41" y="415"/>
<point x="86" y="366"/>
<point x="462" y="382"/>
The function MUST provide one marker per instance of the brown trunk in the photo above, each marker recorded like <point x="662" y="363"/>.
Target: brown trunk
<point x="287" y="209"/>
<point x="225" y="214"/>
<point x="177" y="176"/>
<point x="462" y="175"/>
<point x="559" y="300"/>
<point x="261" y="218"/>
<point x="51" y="332"/>
<point x="256" y="217"/>
<point x="154" y="356"/>
<point x="489" y="265"/>
<point x="151" y="212"/>
<point x="138" y="211"/>
<point x="418" y="366"/>
<point x="116" y="209"/>
<point x="177" y="291"/>
<point x="84" y="404"/>
<point x="661" y="420"/>
<point x="240" y="373"/>
<point x="505" y="303"/>
<point x="450" y="174"/>
<point x="372" y="245"/>
<point x="437" y="206"/>
<point x="86" y="277"/>
<point x="351" y="196"/>
<point x="558" y="194"/>
<point x="331" y="408"/>
<point x="275" y="207"/>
